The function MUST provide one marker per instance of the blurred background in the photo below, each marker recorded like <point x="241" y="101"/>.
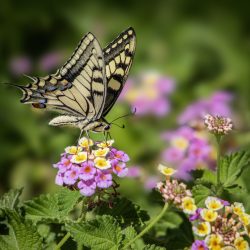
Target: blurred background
<point x="192" y="58"/>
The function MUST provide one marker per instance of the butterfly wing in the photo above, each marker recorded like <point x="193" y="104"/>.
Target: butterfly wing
<point x="78" y="88"/>
<point x="118" y="57"/>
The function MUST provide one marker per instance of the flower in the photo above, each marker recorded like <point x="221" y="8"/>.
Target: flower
<point x="199" y="245"/>
<point x="208" y="214"/>
<point x="174" y="192"/>
<point x="89" y="167"/>
<point x="73" y="150"/>
<point x="217" y="104"/>
<point x="71" y="176"/>
<point x="87" y="170"/>
<point x="196" y="215"/>
<point x="187" y="150"/>
<point x="119" y="155"/>
<point x="148" y="94"/>
<point x="241" y="244"/>
<point x="218" y="125"/>
<point x="102" y="163"/>
<point x="238" y="208"/>
<point x="188" y="205"/>
<point x="85" y="142"/>
<point x="134" y="171"/>
<point x="105" y="144"/>
<point x="213" y="203"/>
<point x="214" y="242"/>
<point x="20" y="65"/>
<point x="50" y="61"/>
<point x="80" y="157"/>
<point x="119" y="168"/>
<point x="103" y="179"/>
<point x="166" y="170"/>
<point x="101" y="152"/>
<point x="202" y="229"/>
<point x="87" y="188"/>
<point x="245" y="219"/>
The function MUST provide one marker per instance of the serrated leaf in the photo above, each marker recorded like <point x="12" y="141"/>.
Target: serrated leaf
<point x="125" y="212"/>
<point x="10" y="200"/>
<point x="208" y="178"/>
<point x="52" y="207"/>
<point x="22" y="235"/>
<point x="232" y="166"/>
<point x="200" y="193"/>
<point x="99" y="234"/>
<point x="129" y="233"/>
<point x="153" y="247"/>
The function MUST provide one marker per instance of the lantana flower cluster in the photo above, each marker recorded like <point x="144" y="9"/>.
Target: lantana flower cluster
<point x="174" y="192"/>
<point x="220" y="225"/>
<point x="91" y="166"/>
<point x="148" y="93"/>
<point x="218" y="125"/>
<point x="188" y="149"/>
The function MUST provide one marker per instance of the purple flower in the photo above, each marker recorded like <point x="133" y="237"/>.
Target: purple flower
<point x="119" y="168"/>
<point x="59" y="178"/>
<point x="71" y="176"/>
<point x="199" y="150"/>
<point x="199" y="245"/>
<point x="134" y="172"/>
<point x="50" y="61"/>
<point x="148" y="93"/>
<point x="20" y="65"/>
<point x="172" y="155"/>
<point x="224" y="202"/>
<point x="87" y="188"/>
<point x="63" y="164"/>
<point x="151" y="183"/>
<point x="217" y="104"/>
<point x="103" y="179"/>
<point x="119" y="155"/>
<point x="196" y="215"/>
<point x="87" y="170"/>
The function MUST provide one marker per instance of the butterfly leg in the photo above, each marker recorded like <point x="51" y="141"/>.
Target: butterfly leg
<point x="80" y="136"/>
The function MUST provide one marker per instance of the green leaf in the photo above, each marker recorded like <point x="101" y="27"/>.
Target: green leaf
<point x="22" y="235"/>
<point x="232" y="166"/>
<point x="125" y="212"/>
<point x="10" y="200"/>
<point x="208" y="178"/>
<point x="52" y="207"/>
<point x="200" y="193"/>
<point x="153" y="247"/>
<point x="99" y="234"/>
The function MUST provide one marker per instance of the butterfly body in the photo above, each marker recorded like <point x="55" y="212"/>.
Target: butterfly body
<point x="87" y="86"/>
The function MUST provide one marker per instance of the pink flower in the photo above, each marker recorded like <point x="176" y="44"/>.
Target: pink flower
<point x="119" y="168"/>
<point x="196" y="215"/>
<point x="87" y="188"/>
<point x="87" y="170"/>
<point x="134" y="172"/>
<point x="199" y="245"/>
<point x="172" y="155"/>
<point x="119" y="155"/>
<point x="103" y="179"/>
<point x="71" y="176"/>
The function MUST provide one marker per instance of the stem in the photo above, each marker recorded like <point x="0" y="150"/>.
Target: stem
<point x="218" y="140"/>
<point x="63" y="240"/>
<point x="149" y="226"/>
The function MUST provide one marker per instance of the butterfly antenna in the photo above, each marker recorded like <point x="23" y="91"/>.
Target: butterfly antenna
<point x="13" y="84"/>
<point x="119" y="126"/>
<point x="30" y="77"/>
<point x="129" y="114"/>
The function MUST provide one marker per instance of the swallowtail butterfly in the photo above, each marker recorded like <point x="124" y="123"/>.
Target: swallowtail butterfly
<point x="86" y="87"/>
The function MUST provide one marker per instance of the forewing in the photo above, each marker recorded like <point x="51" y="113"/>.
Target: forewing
<point x="78" y="88"/>
<point x="118" y="57"/>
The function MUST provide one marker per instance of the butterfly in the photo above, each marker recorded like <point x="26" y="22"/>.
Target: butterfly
<point x="87" y="86"/>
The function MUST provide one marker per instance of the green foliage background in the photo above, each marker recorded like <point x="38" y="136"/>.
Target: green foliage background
<point x="203" y="45"/>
